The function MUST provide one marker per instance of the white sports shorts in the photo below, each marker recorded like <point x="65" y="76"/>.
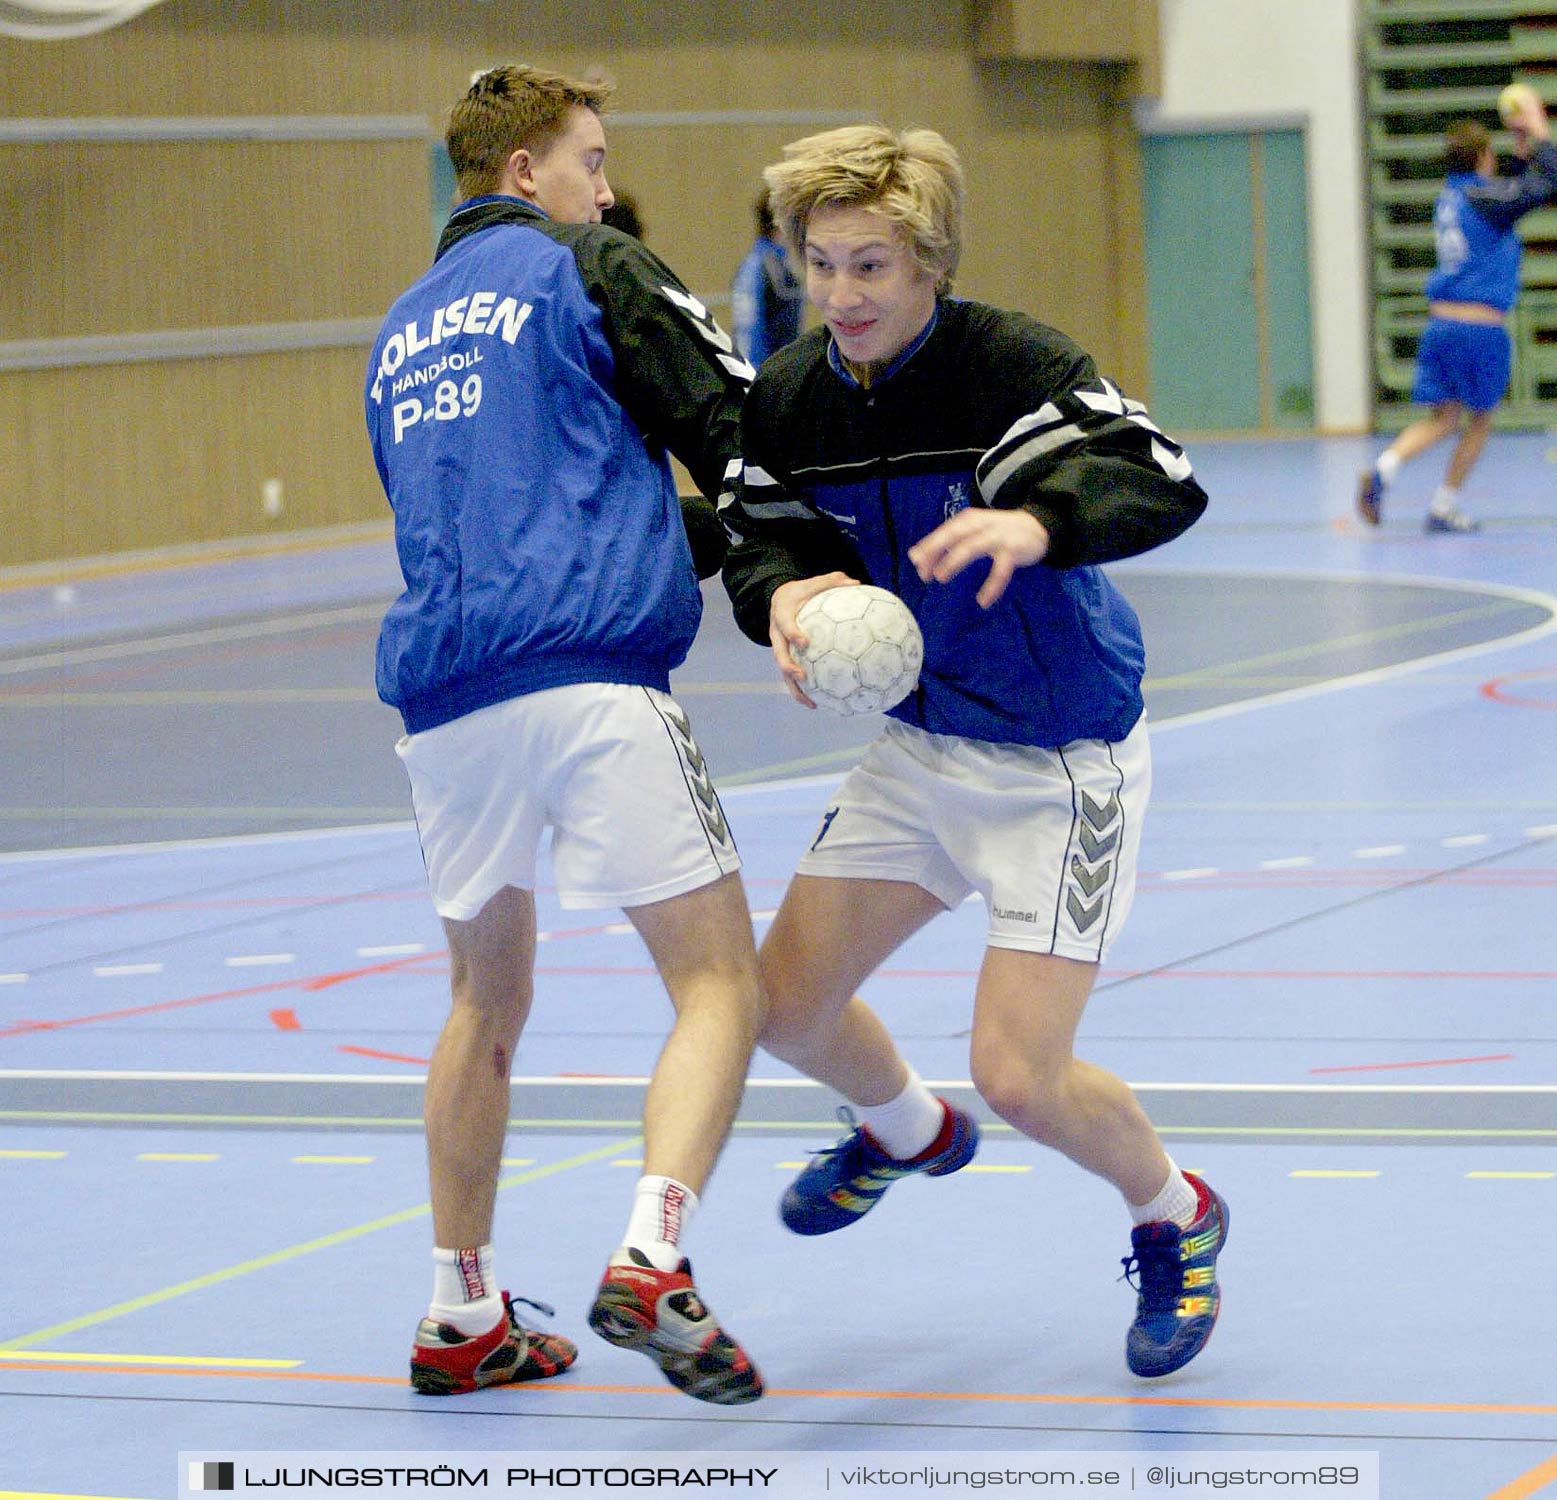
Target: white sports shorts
<point x="613" y="771"/>
<point x="1049" y="838"/>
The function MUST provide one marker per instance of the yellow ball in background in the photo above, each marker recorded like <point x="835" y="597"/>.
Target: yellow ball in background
<point x="1513" y="99"/>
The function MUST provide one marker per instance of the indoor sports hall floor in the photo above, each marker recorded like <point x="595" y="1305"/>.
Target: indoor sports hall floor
<point x="220" y="979"/>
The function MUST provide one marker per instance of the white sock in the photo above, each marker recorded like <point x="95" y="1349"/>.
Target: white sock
<point x="662" y="1209"/>
<point x="1445" y="500"/>
<point x="1177" y="1203"/>
<point x="464" y="1290"/>
<point x="1387" y="465"/>
<point x="904" y="1126"/>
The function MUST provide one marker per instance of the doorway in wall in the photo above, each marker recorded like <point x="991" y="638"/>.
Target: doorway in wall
<point x="1228" y="340"/>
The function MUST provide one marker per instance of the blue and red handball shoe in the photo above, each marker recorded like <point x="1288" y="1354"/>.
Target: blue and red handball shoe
<point x="843" y="1183"/>
<point x="1174" y="1271"/>
<point x="1370" y="497"/>
<point x="446" y="1362"/>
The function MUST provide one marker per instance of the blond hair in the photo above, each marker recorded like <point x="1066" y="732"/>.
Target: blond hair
<point x="912" y="178"/>
<point x="507" y="108"/>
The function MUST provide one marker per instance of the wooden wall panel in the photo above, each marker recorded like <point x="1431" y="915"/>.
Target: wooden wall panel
<point x="122" y="457"/>
<point x="112" y="239"/>
<point x="120" y="238"/>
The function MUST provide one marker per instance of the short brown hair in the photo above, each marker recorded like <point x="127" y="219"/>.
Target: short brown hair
<point x="506" y="108"/>
<point x="1463" y="143"/>
<point x="912" y="178"/>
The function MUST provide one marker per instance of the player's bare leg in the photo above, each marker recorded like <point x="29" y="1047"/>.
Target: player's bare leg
<point x="481" y="1341"/>
<point x="1024" y="1027"/>
<point x="828" y="937"/>
<point x="1426" y="432"/>
<point x="491" y="959"/>
<point x="1473" y="440"/>
<point x="701" y="942"/>
<point x="1441" y="422"/>
<point x="702" y="945"/>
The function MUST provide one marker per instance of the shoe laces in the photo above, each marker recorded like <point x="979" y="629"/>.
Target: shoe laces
<point x="1156" y="1271"/>
<point x="851" y="1132"/>
<point x="540" y="1307"/>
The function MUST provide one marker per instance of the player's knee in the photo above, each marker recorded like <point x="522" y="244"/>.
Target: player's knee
<point x="790" y="1027"/>
<point x="729" y="994"/>
<point x="1026" y="1097"/>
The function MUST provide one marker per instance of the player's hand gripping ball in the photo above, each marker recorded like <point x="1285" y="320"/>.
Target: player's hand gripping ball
<point x="864" y="650"/>
<point x="1513" y="100"/>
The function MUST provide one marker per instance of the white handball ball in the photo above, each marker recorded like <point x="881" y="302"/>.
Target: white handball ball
<point x="864" y="650"/>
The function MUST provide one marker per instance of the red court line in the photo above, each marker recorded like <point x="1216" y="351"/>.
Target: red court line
<point x="565" y="1387"/>
<point x="1155" y="880"/>
<point x="1497" y="690"/>
<point x="285" y="1020"/>
<point x="1287" y="880"/>
<point x="1432" y="1062"/>
<point x="409" y="965"/>
<point x="384" y="1056"/>
<point x="22" y="1028"/>
<point x="19" y="1028"/>
<point x="231" y="903"/>
<point x="1498" y="974"/>
<point x="391" y="966"/>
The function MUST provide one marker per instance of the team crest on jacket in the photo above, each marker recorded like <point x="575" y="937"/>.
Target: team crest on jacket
<point x="956" y="498"/>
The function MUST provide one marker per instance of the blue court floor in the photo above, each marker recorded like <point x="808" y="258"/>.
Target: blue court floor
<point x="220" y="981"/>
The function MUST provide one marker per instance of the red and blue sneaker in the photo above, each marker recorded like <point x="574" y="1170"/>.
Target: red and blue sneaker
<point x="1370" y="497"/>
<point x="1174" y="1271"/>
<point x="446" y="1362"/>
<point x="662" y="1314"/>
<point x="844" y="1182"/>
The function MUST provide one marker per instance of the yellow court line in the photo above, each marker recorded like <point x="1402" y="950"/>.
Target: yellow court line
<point x="1528" y="1484"/>
<point x="1534" y="1176"/>
<point x="52" y="1495"/>
<point x="291" y="1252"/>
<point x="32" y="1155"/>
<point x="628" y="1161"/>
<point x="203" y="1361"/>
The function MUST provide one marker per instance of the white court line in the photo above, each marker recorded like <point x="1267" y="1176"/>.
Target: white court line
<point x="214" y="635"/>
<point x="1192" y="719"/>
<point x="1373" y="675"/>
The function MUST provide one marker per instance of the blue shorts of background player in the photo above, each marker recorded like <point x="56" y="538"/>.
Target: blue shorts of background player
<point x="1465" y="362"/>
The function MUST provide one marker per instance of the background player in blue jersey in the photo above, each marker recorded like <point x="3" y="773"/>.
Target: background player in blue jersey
<point x="521" y="400"/>
<point x="1465" y="354"/>
<point x="767" y="297"/>
<point x="975" y="462"/>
